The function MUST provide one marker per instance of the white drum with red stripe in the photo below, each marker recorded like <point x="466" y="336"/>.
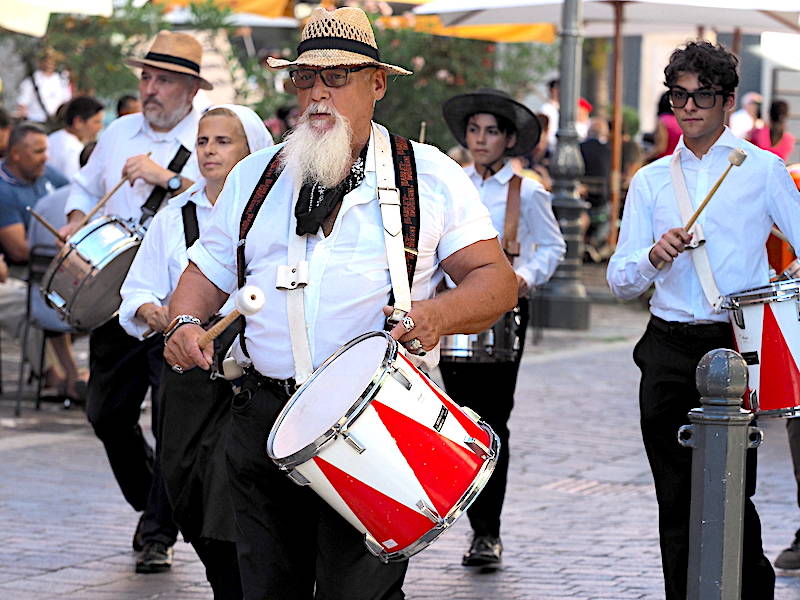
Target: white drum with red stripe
<point x="766" y="323"/>
<point x="384" y="446"/>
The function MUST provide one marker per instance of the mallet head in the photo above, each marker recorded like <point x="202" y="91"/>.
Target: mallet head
<point x="737" y="157"/>
<point x="249" y="300"/>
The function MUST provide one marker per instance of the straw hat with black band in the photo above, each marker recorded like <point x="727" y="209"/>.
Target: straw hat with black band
<point x="176" y="52"/>
<point x="338" y="38"/>
<point x="458" y="109"/>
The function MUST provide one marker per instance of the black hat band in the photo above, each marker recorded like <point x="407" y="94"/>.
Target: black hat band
<point x="337" y="43"/>
<point x="175" y="60"/>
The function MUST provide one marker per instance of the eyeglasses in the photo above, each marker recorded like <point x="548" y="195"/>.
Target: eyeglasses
<point x="702" y="98"/>
<point x="332" y="77"/>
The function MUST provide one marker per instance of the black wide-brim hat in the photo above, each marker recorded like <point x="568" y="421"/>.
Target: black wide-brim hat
<point x="458" y="109"/>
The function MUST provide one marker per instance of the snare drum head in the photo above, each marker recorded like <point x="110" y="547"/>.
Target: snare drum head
<point x="331" y="392"/>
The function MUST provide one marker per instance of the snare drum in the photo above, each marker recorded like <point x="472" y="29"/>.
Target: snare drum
<point x="85" y="277"/>
<point x="499" y="343"/>
<point x="385" y="447"/>
<point x="766" y="323"/>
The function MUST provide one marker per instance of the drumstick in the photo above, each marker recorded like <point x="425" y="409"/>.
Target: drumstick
<point x="249" y="301"/>
<point x="423" y="126"/>
<point x="46" y="225"/>
<point x="103" y="200"/>
<point x="735" y="159"/>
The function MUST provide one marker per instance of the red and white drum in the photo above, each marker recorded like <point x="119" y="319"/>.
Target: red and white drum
<point x="766" y="323"/>
<point x="384" y="446"/>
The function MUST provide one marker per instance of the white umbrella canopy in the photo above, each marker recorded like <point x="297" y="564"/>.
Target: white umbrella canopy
<point x="750" y="16"/>
<point x="31" y="16"/>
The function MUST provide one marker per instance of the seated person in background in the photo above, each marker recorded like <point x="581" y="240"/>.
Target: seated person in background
<point x="596" y="153"/>
<point x="83" y="120"/>
<point x="127" y="105"/>
<point x="24" y="178"/>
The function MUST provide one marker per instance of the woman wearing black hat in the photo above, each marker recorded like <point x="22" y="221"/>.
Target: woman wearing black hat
<point x="493" y="127"/>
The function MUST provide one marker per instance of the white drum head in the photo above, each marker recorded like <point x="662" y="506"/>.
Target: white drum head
<point x="332" y="390"/>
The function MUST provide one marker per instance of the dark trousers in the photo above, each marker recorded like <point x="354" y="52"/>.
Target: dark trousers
<point x="289" y="539"/>
<point x="121" y="370"/>
<point x="222" y="567"/>
<point x="793" y="432"/>
<point x="667" y="357"/>
<point x="488" y="389"/>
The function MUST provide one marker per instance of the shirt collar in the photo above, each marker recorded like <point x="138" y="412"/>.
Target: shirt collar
<point x="195" y="193"/>
<point x="726" y="140"/>
<point x="185" y="131"/>
<point x="503" y="176"/>
<point x="6" y="176"/>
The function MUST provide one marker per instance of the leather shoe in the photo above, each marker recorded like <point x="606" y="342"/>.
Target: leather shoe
<point x="485" y="551"/>
<point x="138" y="541"/>
<point x="156" y="558"/>
<point x="790" y="557"/>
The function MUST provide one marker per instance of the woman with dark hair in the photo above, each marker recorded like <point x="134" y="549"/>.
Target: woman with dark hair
<point x="668" y="132"/>
<point x="775" y="138"/>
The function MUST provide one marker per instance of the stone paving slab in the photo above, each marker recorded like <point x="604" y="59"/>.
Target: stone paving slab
<point x="579" y="522"/>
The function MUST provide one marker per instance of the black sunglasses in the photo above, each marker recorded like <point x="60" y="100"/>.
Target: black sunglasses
<point x="678" y="97"/>
<point x="332" y="77"/>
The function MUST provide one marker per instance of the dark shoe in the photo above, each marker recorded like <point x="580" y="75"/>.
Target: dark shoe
<point x="485" y="551"/>
<point x="789" y="558"/>
<point x="138" y="542"/>
<point x="156" y="558"/>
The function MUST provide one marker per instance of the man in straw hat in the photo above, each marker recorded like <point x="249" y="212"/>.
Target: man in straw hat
<point x="690" y="277"/>
<point x="322" y="193"/>
<point x="493" y="126"/>
<point x="153" y="151"/>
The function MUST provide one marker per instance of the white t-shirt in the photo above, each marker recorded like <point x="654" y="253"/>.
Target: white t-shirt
<point x="64" y="152"/>
<point x="54" y="90"/>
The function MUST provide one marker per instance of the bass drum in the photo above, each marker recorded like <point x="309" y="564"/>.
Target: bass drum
<point x="500" y="343"/>
<point x="84" y="279"/>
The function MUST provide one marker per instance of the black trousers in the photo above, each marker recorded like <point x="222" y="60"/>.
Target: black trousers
<point x="222" y="567"/>
<point x="488" y="389"/>
<point x="793" y="432"/>
<point x="121" y="370"/>
<point x="667" y="357"/>
<point x="289" y="539"/>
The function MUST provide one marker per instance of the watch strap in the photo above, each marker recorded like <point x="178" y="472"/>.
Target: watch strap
<point x="177" y="322"/>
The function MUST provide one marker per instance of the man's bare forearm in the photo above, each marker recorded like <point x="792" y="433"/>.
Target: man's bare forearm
<point x="196" y="295"/>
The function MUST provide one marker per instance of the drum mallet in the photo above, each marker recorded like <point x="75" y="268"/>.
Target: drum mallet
<point x="249" y="300"/>
<point x="735" y="159"/>
<point x="423" y="127"/>
<point x="46" y="225"/>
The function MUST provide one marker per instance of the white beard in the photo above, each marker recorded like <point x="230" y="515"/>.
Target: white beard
<point x="318" y="156"/>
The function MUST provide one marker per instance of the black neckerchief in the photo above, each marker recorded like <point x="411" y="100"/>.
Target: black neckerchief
<point x="315" y="202"/>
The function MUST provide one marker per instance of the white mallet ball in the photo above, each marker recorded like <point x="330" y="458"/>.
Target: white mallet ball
<point x="737" y="157"/>
<point x="249" y="300"/>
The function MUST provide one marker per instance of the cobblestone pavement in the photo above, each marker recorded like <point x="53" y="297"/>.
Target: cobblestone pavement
<point x="579" y="521"/>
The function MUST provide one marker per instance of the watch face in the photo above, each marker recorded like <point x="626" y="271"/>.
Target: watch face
<point x="174" y="183"/>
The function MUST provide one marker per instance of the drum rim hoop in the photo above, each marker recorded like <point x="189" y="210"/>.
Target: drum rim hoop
<point x="304" y="454"/>
<point x="777" y="291"/>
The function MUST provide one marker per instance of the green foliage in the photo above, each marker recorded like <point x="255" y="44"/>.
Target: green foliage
<point x="444" y="67"/>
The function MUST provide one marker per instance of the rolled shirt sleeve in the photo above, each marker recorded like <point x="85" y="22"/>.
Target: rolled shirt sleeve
<point x="542" y="245"/>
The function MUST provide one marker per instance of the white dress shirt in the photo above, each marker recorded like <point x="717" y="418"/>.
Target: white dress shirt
<point x="741" y="123"/>
<point x="551" y="109"/>
<point x="736" y="223"/>
<point x="126" y="137"/>
<point x="348" y="272"/>
<point x="161" y="259"/>
<point x="64" y="152"/>
<point x="542" y="246"/>
<point x="54" y="90"/>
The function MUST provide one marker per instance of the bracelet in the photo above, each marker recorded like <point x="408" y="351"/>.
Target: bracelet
<point x="178" y="322"/>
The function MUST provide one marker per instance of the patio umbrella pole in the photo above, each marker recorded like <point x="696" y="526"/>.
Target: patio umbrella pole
<point x="563" y="301"/>
<point x="616" y="135"/>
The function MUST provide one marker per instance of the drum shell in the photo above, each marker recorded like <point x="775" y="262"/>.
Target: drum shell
<point x="766" y="326"/>
<point x="500" y="343"/>
<point x="84" y="279"/>
<point x="368" y="465"/>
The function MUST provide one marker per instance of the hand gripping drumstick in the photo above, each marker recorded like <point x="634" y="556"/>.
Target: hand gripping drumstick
<point x="46" y="225"/>
<point x="103" y="200"/>
<point x="735" y="159"/>
<point x="249" y="300"/>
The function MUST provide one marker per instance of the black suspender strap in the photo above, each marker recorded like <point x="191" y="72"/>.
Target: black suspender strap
<point x="156" y="197"/>
<point x="191" y="229"/>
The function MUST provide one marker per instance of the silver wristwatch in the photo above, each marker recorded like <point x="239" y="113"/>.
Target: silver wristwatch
<point x="178" y="322"/>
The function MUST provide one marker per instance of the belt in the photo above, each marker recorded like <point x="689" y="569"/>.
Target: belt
<point x="696" y="330"/>
<point x="287" y="386"/>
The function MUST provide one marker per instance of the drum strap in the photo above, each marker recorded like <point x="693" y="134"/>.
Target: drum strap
<point x="191" y="229"/>
<point x="699" y="253"/>
<point x="511" y="223"/>
<point x="156" y="197"/>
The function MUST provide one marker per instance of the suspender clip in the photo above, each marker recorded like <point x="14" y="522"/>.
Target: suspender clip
<point x="292" y="277"/>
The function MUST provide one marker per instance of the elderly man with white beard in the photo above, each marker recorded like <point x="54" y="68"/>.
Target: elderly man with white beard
<point x="320" y="189"/>
<point x="154" y="151"/>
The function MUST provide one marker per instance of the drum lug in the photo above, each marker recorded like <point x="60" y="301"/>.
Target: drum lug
<point x="55" y="300"/>
<point x="374" y="547"/>
<point x="297" y="477"/>
<point x="754" y="401"/>
<point x="797" y="308"/>
<point x="478" y="447"/>
<point x="738" y="317"/>
<point x="398" y="376"/>
<point x="429" y="512"/>
<point x="353" y="441"/>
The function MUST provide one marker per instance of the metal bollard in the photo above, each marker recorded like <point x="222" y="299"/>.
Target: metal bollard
<point x="719" y="435"/>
